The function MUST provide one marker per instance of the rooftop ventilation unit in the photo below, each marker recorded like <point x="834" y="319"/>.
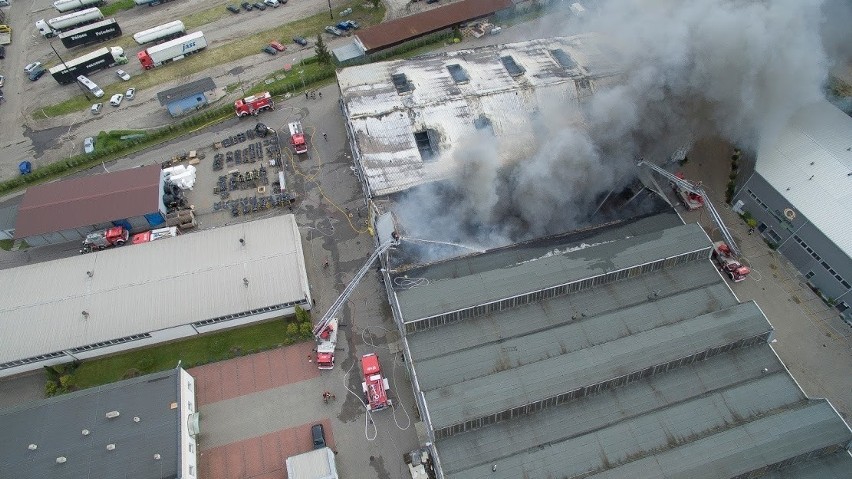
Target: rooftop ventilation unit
<point x="156" y="457"/>
<point x="136" y="419"/>
<point x="85" y="432"/>
<point x="563" y="59"/>
<point x="458" y="73"/>
<point x="425" y="141"/>
<point x="401" y="83"/>
<point x="511" y="66"/>
<point x="112" y="414"/>
<point x="61" y="460"/>
<point x="32" y="447"/>
<point x="110" y="447"/>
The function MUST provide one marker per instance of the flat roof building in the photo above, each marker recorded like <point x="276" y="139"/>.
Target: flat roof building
<point x="68" y="210"/>
<point x="799" y="194"/>
<point x="613" y="352"/>
<point x="140" y="428"/>
<point x="136" y="295"/>
<point x="407" y="118"/>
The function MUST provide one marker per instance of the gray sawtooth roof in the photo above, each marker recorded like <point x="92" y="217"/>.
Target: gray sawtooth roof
<point x="556" y="266"/>
<point x="55" y="426"/>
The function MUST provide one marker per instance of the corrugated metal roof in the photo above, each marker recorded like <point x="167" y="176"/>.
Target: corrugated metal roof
<point x="89" y="200"/>
<point x="186" y="90"/>
<point x="557" y="266"/>
<point x="810" y="164"/>
<point x="384" y="121"/>
<point x="394" y="32"/>
<point x="150" y="286"/>
<point x="55" y="425"/>
<point x="516" y="383"/>
<point x="644" y="406"/>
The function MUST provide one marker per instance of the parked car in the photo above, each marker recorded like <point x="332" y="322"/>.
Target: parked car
<point x="116" y="99"/>
<point x="272" y="3"/>
<point x="353" y="24"/>
<point x="233" y="8"/>
<point x="330" y="29"/>
<point x="123" y="75"/>
<point x="89" y="145"/>
<point x="96" y="108"/>
<point x="37" y="73"/>
<point x="31" y="67"/>
<point x="259" y="5"/>
<point x="301" y="41"/>
<point x="318" y="436"/>
<point x="130" y="93"/>
<point x="2" y="80"/>
<point x="342" y="26"/>
<point x="269" y="50"/>
<point x="246" y="6"/>
<point x="348" y="25"/>
<point x="277" y="46"/>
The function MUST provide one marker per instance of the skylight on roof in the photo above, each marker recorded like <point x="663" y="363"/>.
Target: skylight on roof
<point x="564" y="59"/>
<point x="458" y="73"/>
<point x="511" y="66"/>
<point x="401" y="83"/>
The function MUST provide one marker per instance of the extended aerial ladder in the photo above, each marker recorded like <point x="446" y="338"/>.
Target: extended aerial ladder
<point x="698" y="190"/>
<point x="726" y="252"/>
<point x="325" y="331"/>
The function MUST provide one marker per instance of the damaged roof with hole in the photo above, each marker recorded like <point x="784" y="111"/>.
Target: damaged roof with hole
<point x="649" y="367"/>
<point x="456" y="96"/>
<point x="55" y="427"/>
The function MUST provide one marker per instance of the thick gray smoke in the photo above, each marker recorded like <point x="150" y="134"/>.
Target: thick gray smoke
<point x="730" y="68"/>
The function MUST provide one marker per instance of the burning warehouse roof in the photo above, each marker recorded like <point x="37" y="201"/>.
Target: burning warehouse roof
<point x="408" y="118"/>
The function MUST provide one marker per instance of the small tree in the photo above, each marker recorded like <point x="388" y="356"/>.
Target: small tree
<point x="305" y="330"/>
<point x="302" y="316"/>
<point x="322" y="51"/>
<point x="375" y="3"/>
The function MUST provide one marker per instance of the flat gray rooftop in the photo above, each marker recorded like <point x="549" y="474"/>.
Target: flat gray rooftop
<point x="55" y="426"/>
<point x="510" y="272"/>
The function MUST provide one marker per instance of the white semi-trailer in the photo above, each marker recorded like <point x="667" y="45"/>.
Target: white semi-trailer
<point x="54" y="26"/>
<point x="159" y="33"/>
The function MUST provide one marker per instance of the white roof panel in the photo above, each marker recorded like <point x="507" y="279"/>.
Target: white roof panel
<point x="385" y="121"/>
<point x="151" y="286"/>
<point x="810" y="165"/>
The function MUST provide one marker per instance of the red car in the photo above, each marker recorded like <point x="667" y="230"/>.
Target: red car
<point x="277" y="46"/>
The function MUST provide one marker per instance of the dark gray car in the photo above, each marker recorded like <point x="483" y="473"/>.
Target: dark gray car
<point x="318" y="436"/>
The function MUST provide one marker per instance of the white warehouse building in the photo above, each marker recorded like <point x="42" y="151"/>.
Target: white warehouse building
<point x="134" y="296"/>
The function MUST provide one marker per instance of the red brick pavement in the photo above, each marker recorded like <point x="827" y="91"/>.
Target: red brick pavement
<point x="260" y="457"/>
<point x="256" y="372"/>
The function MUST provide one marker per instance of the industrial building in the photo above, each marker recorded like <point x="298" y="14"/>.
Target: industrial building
<point x="68" y="210"/>
<point x="140" y="428"/>
<point x="187" y="97"/>
<point x="137" y="295"/>
<point x="618" y="351"/>
<point x="799" y="195"/>
<point x="406" y="118"/>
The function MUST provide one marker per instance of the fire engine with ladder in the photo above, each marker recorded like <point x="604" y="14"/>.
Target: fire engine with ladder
<point x="725" y="253"/>
<point x="297" y="137"/>
<point x="375" y="385"/>
<point x="254" y="104"/>
<point x="325" y="331"/>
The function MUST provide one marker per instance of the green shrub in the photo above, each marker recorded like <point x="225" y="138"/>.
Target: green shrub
<point x="292" y="330"/>
<point x="50" y="389"/>
<point x="305" y="330"/>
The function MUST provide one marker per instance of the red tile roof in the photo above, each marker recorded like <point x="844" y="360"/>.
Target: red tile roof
<point x="90" y="200"/>
<point x="394" y="32"/>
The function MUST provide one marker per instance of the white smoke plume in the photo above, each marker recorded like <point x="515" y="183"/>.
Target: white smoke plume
<point x="735" y="69"/>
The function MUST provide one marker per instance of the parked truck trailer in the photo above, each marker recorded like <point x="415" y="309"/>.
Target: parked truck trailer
<point x="93" y="33"/>
<point x="150" y="3"/>
<point x="67" y="72"/>
<point x="160" y="33"/>
<point x="63" y="6"/>
<point x="172" y="50"/>
<point x="54" y="26"/>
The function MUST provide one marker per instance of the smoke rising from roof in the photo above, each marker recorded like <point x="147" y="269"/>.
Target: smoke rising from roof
<point x="730" y="68"/>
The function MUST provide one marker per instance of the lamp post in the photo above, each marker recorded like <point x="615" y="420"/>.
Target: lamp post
<point x="329" y="10"/>
<point x="85" y="92"/>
